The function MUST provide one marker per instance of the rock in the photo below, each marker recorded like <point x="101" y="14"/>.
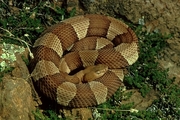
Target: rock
<point x="174" y="45"/>
<point x="16" y="99"/>
<point x="141" y="103"/>
<point x="174" y="70"/>
<point x="77" y="113"/>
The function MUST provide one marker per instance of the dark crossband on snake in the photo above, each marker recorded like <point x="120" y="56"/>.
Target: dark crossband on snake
<point x="79" y="62"/>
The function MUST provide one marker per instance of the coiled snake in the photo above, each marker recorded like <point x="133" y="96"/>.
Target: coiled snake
<point x="97" y="46"/>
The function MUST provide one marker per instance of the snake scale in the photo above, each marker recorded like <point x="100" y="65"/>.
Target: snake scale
<point x="104" y="43"/>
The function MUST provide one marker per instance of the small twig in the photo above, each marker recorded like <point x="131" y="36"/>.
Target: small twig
<point x="107" y="109"/>
<point x="62" y="17"/>
<point x="25" y="28"/>
<point x="10" y="36"/>
<point x="15" y="39"/>
<point x="5" y="4"/>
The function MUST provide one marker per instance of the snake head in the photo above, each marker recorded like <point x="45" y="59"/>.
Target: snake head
<point x="95" y="72"/>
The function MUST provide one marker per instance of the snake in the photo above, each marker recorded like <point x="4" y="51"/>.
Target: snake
<point x="79" y="61"/>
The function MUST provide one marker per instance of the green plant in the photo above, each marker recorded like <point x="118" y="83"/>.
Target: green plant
<point x="145" y="73"/>
<point x="46" y="115"/>
<point x="28" y="22"/>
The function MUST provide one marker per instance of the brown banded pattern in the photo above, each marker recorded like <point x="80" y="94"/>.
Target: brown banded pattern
<point x="79" y="42"/>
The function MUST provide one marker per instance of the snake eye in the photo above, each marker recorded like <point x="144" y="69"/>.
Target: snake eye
<point x="98" y="72"/>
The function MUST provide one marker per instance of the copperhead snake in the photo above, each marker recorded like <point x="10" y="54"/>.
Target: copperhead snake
<point x="104" y="43"/>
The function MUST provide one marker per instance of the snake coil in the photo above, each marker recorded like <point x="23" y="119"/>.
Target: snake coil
<point x="79" y="42"/>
